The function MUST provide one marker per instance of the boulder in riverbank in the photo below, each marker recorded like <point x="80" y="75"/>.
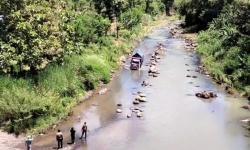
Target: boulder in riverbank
<point x="102" y="91"/>
<point x="206" y="95"/>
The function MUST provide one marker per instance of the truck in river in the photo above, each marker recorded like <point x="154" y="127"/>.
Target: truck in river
<point x="136" y="60"/>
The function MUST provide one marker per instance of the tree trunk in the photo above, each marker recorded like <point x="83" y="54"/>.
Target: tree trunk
<point x="147" y="6"/>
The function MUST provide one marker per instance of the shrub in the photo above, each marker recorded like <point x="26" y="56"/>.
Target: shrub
<point x="224" y="47"/>
<point x="200" y="12"/>
<point x="132" y="17"/>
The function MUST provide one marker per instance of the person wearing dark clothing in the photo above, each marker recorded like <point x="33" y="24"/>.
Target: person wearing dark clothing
<point x="59" y="138"/>
<point x="84" y="131"/>
<point x="28" y="142"/>
<point x="73" y="135"/>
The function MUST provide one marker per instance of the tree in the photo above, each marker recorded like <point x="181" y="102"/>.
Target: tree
<point x="168" y="4"/>
<point x="105" y="7"/>
<point x="200" y="12"/>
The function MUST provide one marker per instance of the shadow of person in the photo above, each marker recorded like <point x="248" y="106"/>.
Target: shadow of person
<point x="70" y="143"/>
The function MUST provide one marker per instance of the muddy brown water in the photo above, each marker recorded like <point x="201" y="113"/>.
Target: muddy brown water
<point x="173" y="117"/>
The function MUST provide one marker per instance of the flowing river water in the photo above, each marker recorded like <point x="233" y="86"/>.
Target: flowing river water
<point x="174" y="118"/>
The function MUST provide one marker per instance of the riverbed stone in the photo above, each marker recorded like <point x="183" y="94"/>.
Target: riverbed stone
<point x="136" y="102"/>
<point x="245" y="107"/>
<point x="118" y="110"/>
<point x="119" y="104"/>
<point x="206" y="95"/>
<point x="129" y="115"/>
<point x="142" y="95"/>
<point x="139" y="114"/>
<point x="155" y="75"/>
<point x="103" y="91"/>
<point x="145" y="83"/>
<point x="142" y="99"/>
<point x="194" y="76"/>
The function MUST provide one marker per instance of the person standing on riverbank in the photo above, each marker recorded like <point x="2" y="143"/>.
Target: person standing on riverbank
<point x="84" y="131"/>
<point x="28" y="142"/>
<point x="73" y="135"/>
<point x="59" y="138"/>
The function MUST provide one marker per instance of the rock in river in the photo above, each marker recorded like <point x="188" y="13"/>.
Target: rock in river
<point x="136" y="102"/>
<point x="142" y="99"/>
<point x="155" y="75"/>
<point x="129" y="115"/>
<point x="206" y="95"/>
<point x="139" y="114"/>
<point x="119" y="104"/>
<point x="118" y="110"/>
<point x="246" y="107"/>
<point x="145" y="83"/>
<point x="194" y="76"/>
<point x="142" y="95"/>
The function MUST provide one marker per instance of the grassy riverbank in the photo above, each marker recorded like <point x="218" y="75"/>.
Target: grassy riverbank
<point x="35" y="103"/>
<point x="223" y="39"/>
<point x="225" y="47"/>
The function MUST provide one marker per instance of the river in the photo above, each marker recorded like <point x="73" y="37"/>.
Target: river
<point x="174" y="118"/>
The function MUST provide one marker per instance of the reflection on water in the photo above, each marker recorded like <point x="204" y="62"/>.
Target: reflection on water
<point x="173" y="117"/>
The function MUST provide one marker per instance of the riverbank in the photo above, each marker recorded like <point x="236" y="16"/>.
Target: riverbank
<point x="192" y="45"/>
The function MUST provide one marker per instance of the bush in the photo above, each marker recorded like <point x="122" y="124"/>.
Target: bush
<point x="21" y="105"/>
<point x="89" y="27"/>
<point x="200" y="12"/>
<point x="224" y="47"/>
<point x="132" y="17"/>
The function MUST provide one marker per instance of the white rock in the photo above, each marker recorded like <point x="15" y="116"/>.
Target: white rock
<point x="142" y="95"/>
<point x="139" y="114"/>
<point x="129" y="115"/>
<point x="245" y="120"/>
<point x="137" y="97"/>
<point x="103" y="91"/>
<point x="118" y="110"/>
<point x="142" y="99"/>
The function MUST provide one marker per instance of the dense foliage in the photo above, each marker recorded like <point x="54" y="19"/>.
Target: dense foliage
<point x="34" y="34"/>
<point x="200" y="12"/>
<point x="52" y="51"/>
<point x="225" y="46"/>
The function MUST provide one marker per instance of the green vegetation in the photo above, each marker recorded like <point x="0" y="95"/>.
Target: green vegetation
<point x="52" y="52"/>
<point x="225" y="46"/>
<point x="225" y="43"/>
<point x="198" y="13"/>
